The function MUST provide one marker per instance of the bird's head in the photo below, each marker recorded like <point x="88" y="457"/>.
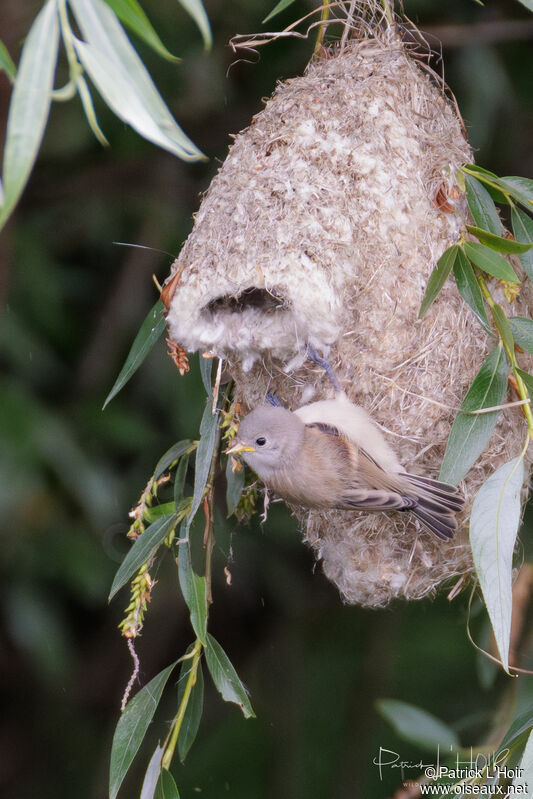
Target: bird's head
<point x="269" y="439"/>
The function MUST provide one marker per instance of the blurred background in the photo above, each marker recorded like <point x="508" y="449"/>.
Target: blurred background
<point x="72" y="302"/>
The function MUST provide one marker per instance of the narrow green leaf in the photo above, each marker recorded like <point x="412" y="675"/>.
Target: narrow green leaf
<point x="123" y="97"/>
<point x="226" y="678"/>
<point x="528" y="4"/>
<point x="494" y="522"/>
<point x="520" y="188"/>
<point x="481" y="205"/>
<point x="204" y="453"/>
<point x="498" y="243"/>
<point x="142" y="550"/>
<point x="479" y="170"/>
<point x="417" y="726"/>
<point x="470" y="433"/>
<point x="523" y="782"/>
<point x="197" y="11"/>
<point x="517" y="732"/>
<point x="504" y="328"/>
<point x="88" y="107"/>
<point x="469" y="288"/>
<point x="206" y="371"/>
<point x="132" y="726"/>
<point x="149" y="333"/>
<point x="438" y="278"/>
<point x="166" y="788"/>
<point x="278" y="8"/>
<point x="179" y="479"/>
<point x="132" y="15"/>
<point x="523" y="232"/>
<point x="195" y="707"/>
<point x="123" y="80"/>
<point x="528" y="380"/>
<point x="30" y="104"/>
<point x="488" y="179"/>
<point x="193" y="588"/>
<point x="522" y="329"/>
<point x="7" y="64"/>
<point x="490" y="262"/>
<point x="234" y="487"/>
<point x="152" y="773"/>
<point x="171" y="456"/>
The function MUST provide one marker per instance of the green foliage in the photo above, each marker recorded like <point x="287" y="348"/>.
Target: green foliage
<point x="194" y="710"/>
<point x="149" y="333"/>
<point x="522" y="330"/>
<point x="498" y="243"/>
<point x="468" y="287"/>
<point x="518" y="732"/>
<point x="30" y="104"/>
<point x="166" y="787"/>
<point x="234" y="487"/>
<point x="278" y="8"/>
<point x="132" y="15"/>
<point x="6" y="62"/>
<point x="122" y="79"/>
<point x="197" y="11"/>
<point x="438" y="278"/>
<point x="113" y="65"/>
<point x="204" y="454"/>
<point x="490" y="262"/>
<point x="471" y="432"/>
<point x="482" y="207"/>
<point x="417" y="725"/>
<point x="143" y="550"/>
<point x="193" y="588"/>
<point x="226" y="678"/>
<point x="494" y="522"/>
<point x="523" y="232"/>
<point x="171" y="457"/>
<point x="132" y="727"/>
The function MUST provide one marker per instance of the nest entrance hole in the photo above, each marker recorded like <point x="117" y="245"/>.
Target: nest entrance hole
<point x="259" y="299"/>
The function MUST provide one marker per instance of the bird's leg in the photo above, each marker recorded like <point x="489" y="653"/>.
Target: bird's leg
<point x="274" y="400"/>
<point x="313" y="355"/>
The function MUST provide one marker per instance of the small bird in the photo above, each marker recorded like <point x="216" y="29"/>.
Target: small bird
<point x="329" y="454"/>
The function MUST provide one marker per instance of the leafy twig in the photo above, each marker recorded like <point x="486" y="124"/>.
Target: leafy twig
<point x="172" y="739"/>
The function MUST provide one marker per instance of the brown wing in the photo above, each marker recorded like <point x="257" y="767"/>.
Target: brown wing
<point x="366" y="486"/>
<point x="363" y="484"/>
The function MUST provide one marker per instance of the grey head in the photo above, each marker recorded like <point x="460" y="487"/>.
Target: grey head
<point x="275" y="437"/>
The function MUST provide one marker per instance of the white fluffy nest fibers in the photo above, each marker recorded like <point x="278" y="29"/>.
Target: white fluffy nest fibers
<point x="322" y="228"/>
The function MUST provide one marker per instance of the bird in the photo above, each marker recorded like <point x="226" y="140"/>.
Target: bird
<point x="330" y="454"/>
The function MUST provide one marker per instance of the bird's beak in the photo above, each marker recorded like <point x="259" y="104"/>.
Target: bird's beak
<point x="237" y="448"/>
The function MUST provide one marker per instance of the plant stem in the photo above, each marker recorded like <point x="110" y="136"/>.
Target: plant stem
<point x="324" y="16"/>
<point x="73" y="63"/>
<point x="178" y="721"/>
<point x="485" y="179"/>
<point x="209" y="506"/>
<point x="388" y="10"/>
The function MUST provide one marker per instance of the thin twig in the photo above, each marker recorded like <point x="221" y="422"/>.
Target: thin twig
<point x="499" y="407"/>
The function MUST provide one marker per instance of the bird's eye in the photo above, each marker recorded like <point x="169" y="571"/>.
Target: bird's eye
<point x="261" y="441"/>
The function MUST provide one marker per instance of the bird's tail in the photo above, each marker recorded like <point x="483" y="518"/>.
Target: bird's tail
<point x="437" y="505"/>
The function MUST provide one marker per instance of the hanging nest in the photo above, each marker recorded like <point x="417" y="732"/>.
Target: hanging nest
<point x="322" y="228"/>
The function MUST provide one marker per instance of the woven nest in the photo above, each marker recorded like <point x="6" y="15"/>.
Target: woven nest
<point x="322" y="228"/>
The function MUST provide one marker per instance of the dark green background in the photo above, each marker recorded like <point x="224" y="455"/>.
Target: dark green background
<point x="72" y="302"/>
